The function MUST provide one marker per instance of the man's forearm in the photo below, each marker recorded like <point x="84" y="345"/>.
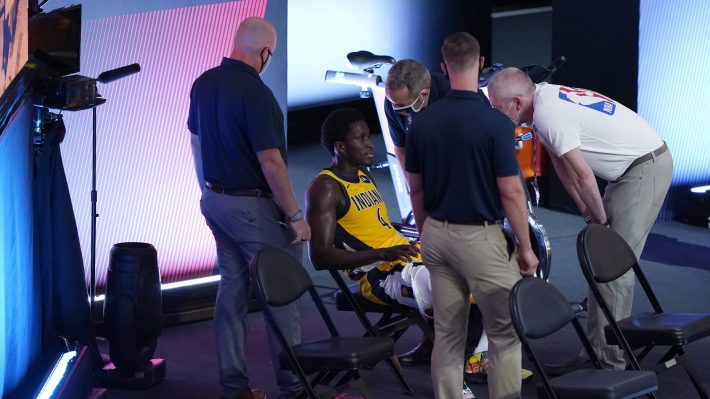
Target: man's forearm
<point x="516" y="211"/>
<point x="420" y="215"/>
<point x="276" y="174"/>
<point x="580" y="182"/>
<point x="588" y="192"/>
<point x="572" y="191"/>
<point x="399" y="153"/>
<point x="197" y="157"/>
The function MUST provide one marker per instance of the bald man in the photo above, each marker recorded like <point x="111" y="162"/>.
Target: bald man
<point x="588" y="134"/>
<point x="238" y="133"/>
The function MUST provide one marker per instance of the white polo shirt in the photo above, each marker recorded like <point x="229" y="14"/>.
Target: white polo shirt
<point x="609" y="135"/>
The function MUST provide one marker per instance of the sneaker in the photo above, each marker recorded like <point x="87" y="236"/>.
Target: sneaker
<point x="420" y="354"/>
<point x="526" y="375"/>
<point x="475" y="370"/>
<point x="467" y="393"/>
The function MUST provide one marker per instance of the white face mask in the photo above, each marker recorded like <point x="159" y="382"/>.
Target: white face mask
<point x="265" y="63"/>
<point x="516" y="121"/>
<point x="412" y="108"/>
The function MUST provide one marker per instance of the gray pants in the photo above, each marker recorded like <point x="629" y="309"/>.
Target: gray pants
<point x="632" y="204"/>
<point x="478" y="260"/>
<point x="241" y="227"/>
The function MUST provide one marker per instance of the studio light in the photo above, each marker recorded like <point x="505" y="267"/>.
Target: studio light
<point x="132" y="316"/>
<point x="699" y="211"/>
<point x="56" y="376"/>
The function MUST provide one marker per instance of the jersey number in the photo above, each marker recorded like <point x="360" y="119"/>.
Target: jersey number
<point x="382" y="220"/>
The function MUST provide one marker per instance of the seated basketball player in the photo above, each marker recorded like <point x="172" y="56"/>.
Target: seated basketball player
<point x="350" y="229"/>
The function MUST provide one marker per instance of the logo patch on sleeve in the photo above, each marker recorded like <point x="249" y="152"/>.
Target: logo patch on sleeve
<point x="588" y="99"/>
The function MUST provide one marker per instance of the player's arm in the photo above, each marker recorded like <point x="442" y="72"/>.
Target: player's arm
<point x="578" y="178"/>
<point x="323" y="198"/>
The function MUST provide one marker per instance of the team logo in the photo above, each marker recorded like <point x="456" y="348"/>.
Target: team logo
<point x="364" y="179"/>
<point x="589" y="99"/>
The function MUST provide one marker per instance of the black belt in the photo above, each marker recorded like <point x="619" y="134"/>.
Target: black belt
<point x="482" y="223"/>
<point x="238" y="192"/>
<point x="643" y="158"/>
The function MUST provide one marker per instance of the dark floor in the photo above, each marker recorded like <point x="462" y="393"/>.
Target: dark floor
<point x="676" y="259"/>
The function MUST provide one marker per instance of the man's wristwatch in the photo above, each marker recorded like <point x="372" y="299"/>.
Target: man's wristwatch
<point x="295" y="217"/>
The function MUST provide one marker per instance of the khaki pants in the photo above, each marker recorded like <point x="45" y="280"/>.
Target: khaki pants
<point x="632" y="204"/>
<point x="465" y="259"/>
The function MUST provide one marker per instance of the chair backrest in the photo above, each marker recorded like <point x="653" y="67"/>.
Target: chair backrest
<point x="279" y="276"/>
<point x="604" y="253"/>
<point x="538" y="309"/>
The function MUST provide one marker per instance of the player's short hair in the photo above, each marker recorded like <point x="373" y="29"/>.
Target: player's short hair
<point x="337" y="125"/>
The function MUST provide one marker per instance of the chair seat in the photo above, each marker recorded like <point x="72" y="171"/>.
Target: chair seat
<point x="602" y="384"/>
<point x="341" y="303"/>
<point x="341" y="353"/>
<point x="665" y="329"/>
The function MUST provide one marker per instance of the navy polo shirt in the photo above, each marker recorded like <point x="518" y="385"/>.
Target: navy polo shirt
<point x="399" y="124"/>
<point x="460" y="145"/>
<point x="236" y="115"/>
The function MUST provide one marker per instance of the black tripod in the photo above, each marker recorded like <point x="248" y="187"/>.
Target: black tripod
<point x="104" y="77"/>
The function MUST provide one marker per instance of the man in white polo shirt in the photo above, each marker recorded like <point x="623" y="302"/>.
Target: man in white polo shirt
<point x="588" y="134"/>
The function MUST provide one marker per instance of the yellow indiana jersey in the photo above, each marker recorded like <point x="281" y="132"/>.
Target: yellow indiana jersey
<point x="364" y="224"/>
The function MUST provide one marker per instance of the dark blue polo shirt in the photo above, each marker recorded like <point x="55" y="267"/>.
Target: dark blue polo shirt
<point x="236" y="115"/>
<point x="399" y="124"/>
<point x="460" y="145"/>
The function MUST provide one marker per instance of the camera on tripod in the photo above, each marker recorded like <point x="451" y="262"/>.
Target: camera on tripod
<point x="54" y="48"/>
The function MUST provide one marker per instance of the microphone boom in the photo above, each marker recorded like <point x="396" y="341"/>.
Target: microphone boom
<point x="118" y="73"/>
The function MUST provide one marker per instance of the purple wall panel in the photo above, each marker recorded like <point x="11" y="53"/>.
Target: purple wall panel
<point x="147" y="190"/>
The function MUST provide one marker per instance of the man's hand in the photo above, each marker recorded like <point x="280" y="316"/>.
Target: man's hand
<point x="302" y="231"/>
<point x="399" y="252"/>
<point x="527" y="261"/>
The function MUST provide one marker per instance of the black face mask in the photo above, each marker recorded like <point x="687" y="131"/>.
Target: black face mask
<point x="265" y="62"/>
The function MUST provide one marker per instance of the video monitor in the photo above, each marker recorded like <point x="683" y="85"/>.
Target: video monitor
<point x="55" y="41"/>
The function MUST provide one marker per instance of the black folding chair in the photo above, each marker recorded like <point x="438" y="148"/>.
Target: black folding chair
<point x="538" y="310"/>
<point x="279" y="280"/>
<point x="394" y="320"/>
<point x="605" y="256"/>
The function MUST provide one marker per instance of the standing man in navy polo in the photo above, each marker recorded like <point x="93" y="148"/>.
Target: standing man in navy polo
<point x="463" y="178"/>
<point x="409" y="89"/>
<point x="248" y="202"/>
